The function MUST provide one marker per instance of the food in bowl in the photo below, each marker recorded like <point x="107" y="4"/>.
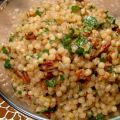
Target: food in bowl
<point x="64" y="61"/>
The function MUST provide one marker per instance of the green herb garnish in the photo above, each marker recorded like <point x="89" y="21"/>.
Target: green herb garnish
<point x="11" y="38"/>
<point x="91" y="22"/>
<point x="45" y="51"/>
<point x="102" y="59"/>
<point x="110" y="69"/>
<point x="100" y="117"/>
<point x="20" y="92"/>
<point x="90" y="117"/>
<point x="38" y="12"/>
<point x="80" y="51"/>
<point x="49" y="22"/>
<point x="51" y="83"/>
<point x="66" y="42"/>
<point x="110" y="19"/>
<point x="62" y="77"/>
<point x="4" y="50"/>
<point x="75" y="8"/>
<point x="51" y="109"/>
<point x="81" y="41"/>
<point x="46" y="30"/>
<point x="7" y="64"/>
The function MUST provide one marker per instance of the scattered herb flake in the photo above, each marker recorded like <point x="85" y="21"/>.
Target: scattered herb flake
<point x="45" y="51"/>
<point x="51" y="83"/>
<point x="51" y="109"/>
<point x="91" y="22"/>
<point x="110" y="69"/>
<point x="46" y="30"/>
<point x="81" y="41"/>
<point x="102" y="59"/>
<point x="91" y="117"/>
<point x="75" y="8"/>
<point x="66" y="42"/>
<point x="7" y="64"/>
<point x="80" y="51"/>
<point x="4" y="50"/>
<point x="100" y="117"/>
<point x="49" y="22"/>
<point x="110" y="19"/>
<point x="20" y="92"/>
<point x="11" y="38"/>
<point x="38" y="12"/>
<point x="62" y="77"/>
<point x="39" y="55"/>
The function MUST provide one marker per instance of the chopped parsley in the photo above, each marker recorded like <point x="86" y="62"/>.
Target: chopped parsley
<point x="49" y="21"/>
<point x="90" y="22"/>
<point x="110" y="19"/>
<point x="51" y="83"/>
<point x="102" y="59"/>
<point x="66" y="42"/>
<point x="51" y="109"/>
<point x="80" y="51"/>
<point x="90" y="117"/>
<point x="39" y="55"/>
<point x="83" y="46"/>
<point x="38" y="12"/>
<point x="100" y="117"/>
<point x="110" y="69"/>
<point x="45" y="51"/>
<point x="20" y="92"/>
<point x="81" y="41"/>
<point x="46" y="30"/>
<point x="75" y="8"/>
<point x="7" y="64"/>
<point x="11" y="38"/>
<point x="4" y="50"/>
<point x="62" y="77"/>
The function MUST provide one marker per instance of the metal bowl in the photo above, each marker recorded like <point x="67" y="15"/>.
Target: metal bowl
<point x="8" y="20"/>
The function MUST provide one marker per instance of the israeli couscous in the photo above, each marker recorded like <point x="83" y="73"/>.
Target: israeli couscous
<point x="64" y="60"/>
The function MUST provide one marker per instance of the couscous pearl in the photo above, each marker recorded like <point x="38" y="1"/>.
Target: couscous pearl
<point x="59" y="93"/>
<point x="52" y="51"/>
<point x="101" y="65"/>
<point x="88" y="72"/>
<point x="61" y="50"/>
<point x="66" y="60"/>
<point x="114" y="109"/>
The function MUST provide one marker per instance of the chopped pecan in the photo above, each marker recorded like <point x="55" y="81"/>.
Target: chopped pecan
<point x="80" y="74"/>
<point x="116" y="28"/>
<point x="28" y="96"/>
<point x="49" y="75"/>
<point x="58" y="57"/>
<point x="25" y="77"/>
<point x="47" y="63"/>
<point x="30" y="36"/>
<point x="42" y="85"/>
<point x="103" y="48"/>
<point x="47" y="114"/>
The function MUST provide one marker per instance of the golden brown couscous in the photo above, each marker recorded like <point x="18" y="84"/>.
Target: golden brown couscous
<point x="64" y="60"/>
